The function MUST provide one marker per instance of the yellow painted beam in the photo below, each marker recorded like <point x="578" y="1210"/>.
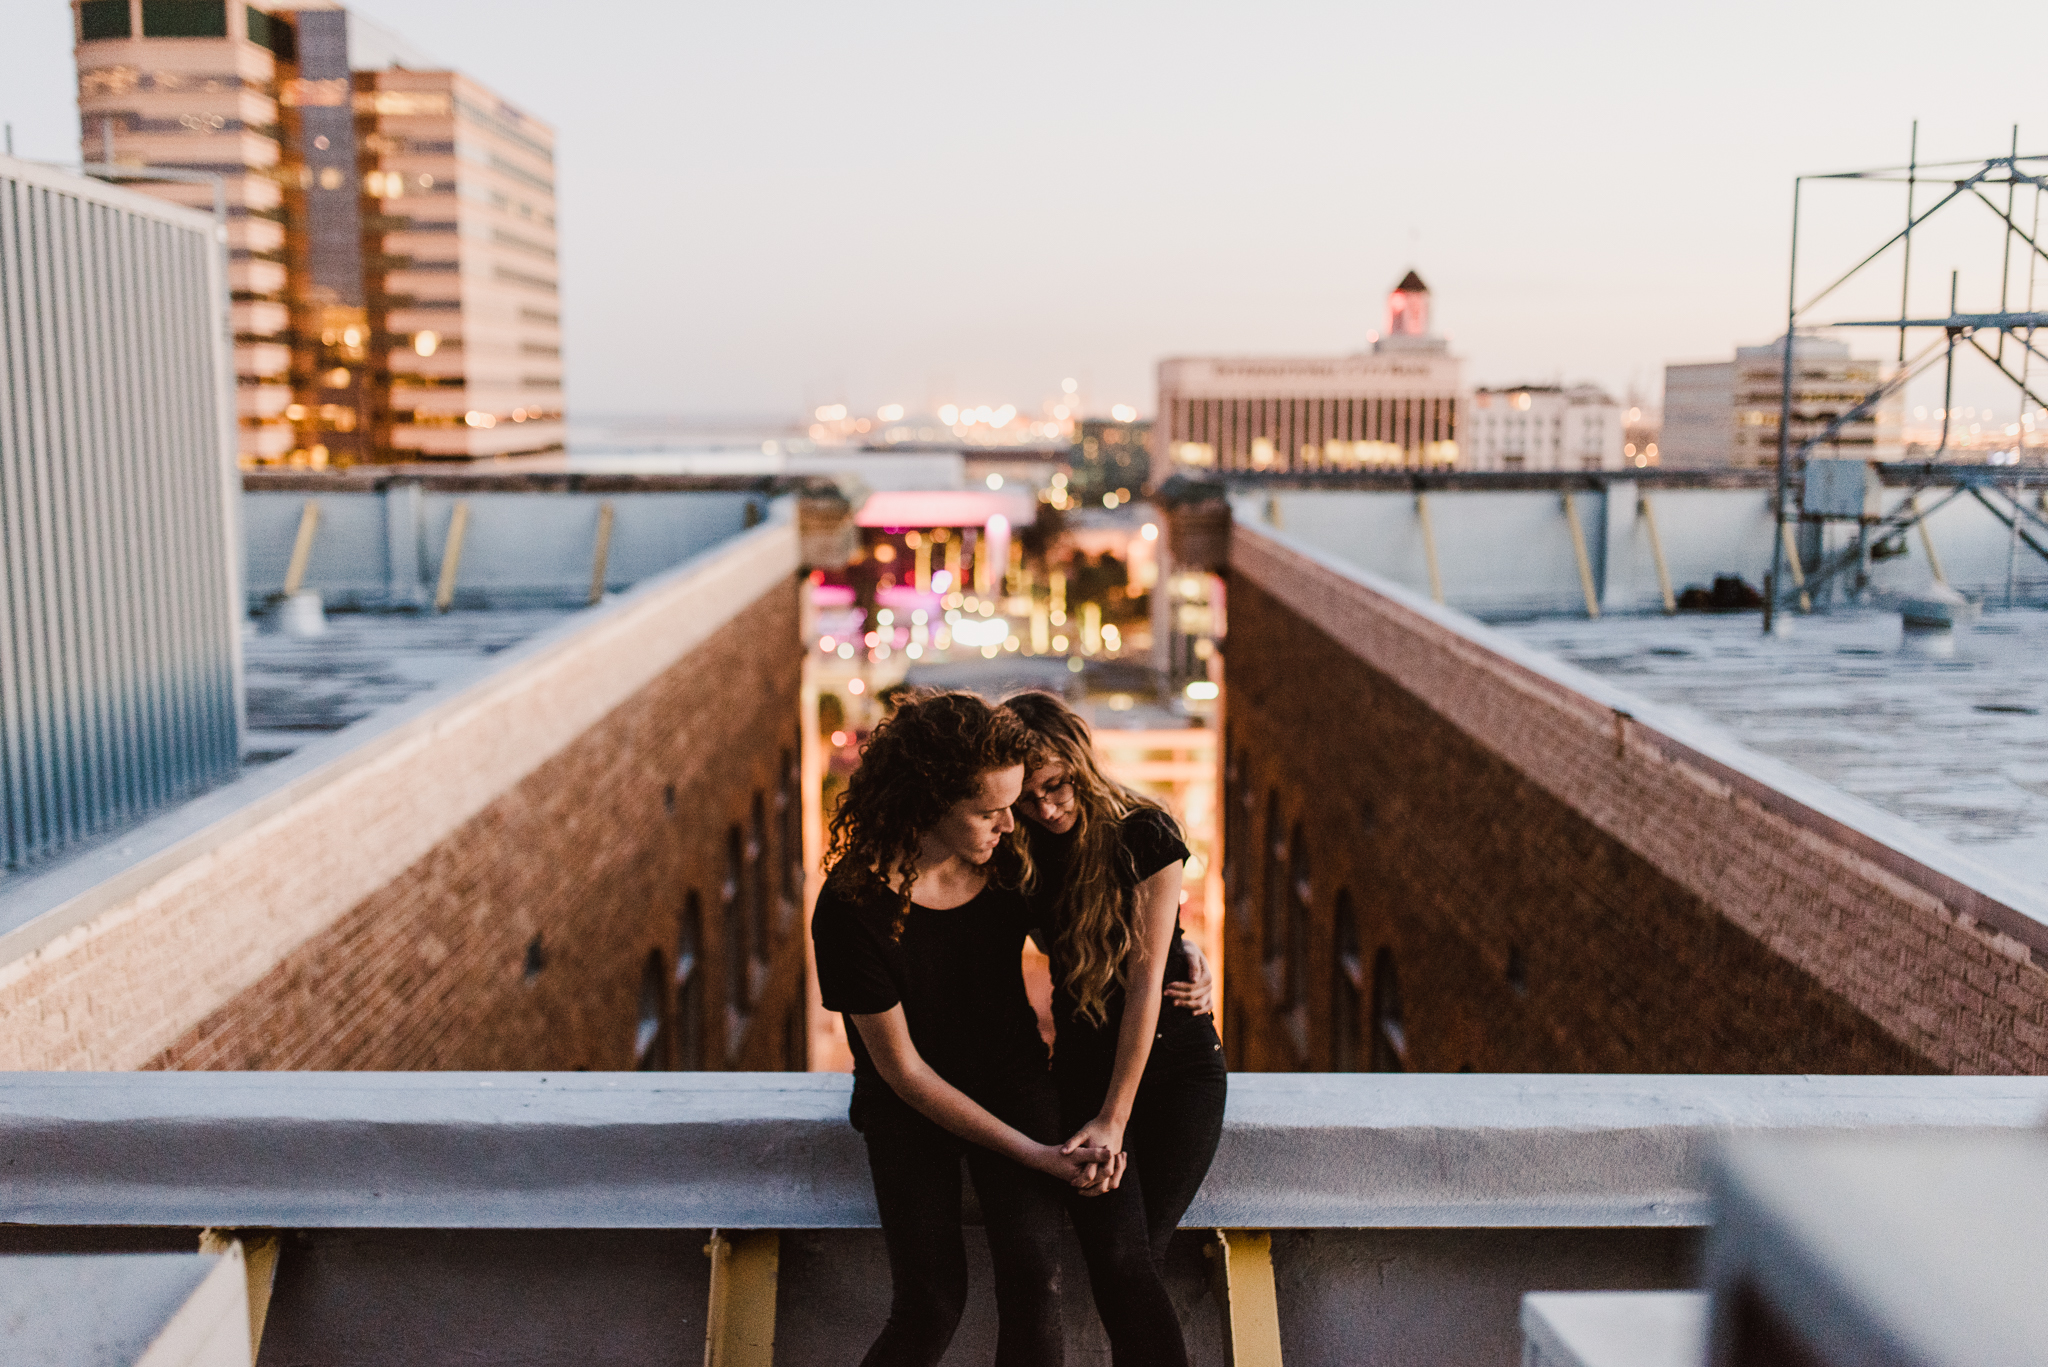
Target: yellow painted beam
<point x="1243" y="1268"/>
<point x="740" y="1330"/>
<point x="1571" y="520"/>
<point x="451" y="557"/>
<point x="604" y="552"/>
<point x="259" y="1263"/>
<point x="1798" y="571"/>
<point x="302" y="548"/>
<point x="1657" y="555"/>
<point x="1927" y="543"/>
<point x="1436" y="581"/>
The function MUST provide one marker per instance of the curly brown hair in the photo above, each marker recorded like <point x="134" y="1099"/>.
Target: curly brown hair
<point x="927" y="756"/>
<point x="1096" y="939"/>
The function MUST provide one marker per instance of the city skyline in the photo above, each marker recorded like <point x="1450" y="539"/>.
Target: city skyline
<point x="923" y="206"/>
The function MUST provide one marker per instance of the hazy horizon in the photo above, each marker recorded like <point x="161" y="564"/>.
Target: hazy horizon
<point x="768" y="208"/>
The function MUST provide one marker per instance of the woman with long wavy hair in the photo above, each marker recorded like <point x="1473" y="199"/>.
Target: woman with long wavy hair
<point x="1137" y="1063"/>
<point x="919" y="932"/>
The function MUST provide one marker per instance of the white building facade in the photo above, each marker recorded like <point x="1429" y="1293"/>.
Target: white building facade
<point x="1400" y="405"/>
<point x="1546" y="427"/>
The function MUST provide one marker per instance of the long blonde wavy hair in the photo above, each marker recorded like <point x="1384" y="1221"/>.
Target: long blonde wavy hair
<point x="1097" y="935"/>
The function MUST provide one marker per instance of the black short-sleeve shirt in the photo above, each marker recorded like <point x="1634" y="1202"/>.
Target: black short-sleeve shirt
<point x="1147" y="841"/>
<point x="957" y="974"/>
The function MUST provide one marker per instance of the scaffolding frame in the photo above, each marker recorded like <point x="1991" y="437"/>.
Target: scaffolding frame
<point x="1967" y="182"/>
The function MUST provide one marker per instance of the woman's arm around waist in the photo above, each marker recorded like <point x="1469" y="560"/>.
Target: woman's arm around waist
<point x="1155" y="911"/>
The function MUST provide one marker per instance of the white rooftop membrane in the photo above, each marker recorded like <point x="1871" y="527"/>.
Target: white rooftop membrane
<point x="1955" y="743"/>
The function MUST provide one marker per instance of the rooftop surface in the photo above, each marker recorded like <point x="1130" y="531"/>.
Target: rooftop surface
<point x="1948" y="732"/>
<point x="301" y="688"/>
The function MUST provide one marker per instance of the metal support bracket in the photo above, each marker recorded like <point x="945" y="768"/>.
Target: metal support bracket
<point x="1792" y="563"/>
<point x="259" y="1262"/>
<point x="1436" y="581"/>
<point x="1241" y="1267"/>
<point x="302" y="548"/>
<point x="740" y="1329"/>
<point x="1919" y="519"/>
<point x="603" y="554"/>
<point x="1571" y="520"/>
<point x="451" y="557"/>
<point x="1657" y="554"/>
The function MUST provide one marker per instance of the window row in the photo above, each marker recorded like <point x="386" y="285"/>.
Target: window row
<point x="180" y="19"/>
<point x="699" y="1013"/>
<point x="1268" y="874"/>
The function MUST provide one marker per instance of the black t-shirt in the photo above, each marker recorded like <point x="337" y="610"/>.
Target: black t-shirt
<point x="957" y="974"/>
<point x="1148" y="841"/>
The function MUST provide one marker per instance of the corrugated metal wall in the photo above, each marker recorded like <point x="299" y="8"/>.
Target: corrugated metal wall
<point x="119" y="610"/>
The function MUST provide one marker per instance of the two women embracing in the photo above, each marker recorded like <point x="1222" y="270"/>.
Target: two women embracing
<point x="932" y="884"/>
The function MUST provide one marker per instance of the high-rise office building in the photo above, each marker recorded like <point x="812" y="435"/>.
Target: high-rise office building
<point x="196" y="86"/>
<point x="1397" y="405"/>
<point x="1726" y="412"/>
<point x="391" y="224"/>
<point x="468" y="314"/>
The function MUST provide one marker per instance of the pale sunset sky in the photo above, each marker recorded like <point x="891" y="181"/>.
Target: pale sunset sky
<point x="770" y="206"/>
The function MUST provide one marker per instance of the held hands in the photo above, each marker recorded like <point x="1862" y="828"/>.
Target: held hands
<point x="1198" y="994"/>
<point x="1076" y="1166"/>
<point x="1103" y="1136"/>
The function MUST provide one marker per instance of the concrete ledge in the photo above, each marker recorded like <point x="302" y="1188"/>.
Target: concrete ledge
<point x="774" y="1150"/>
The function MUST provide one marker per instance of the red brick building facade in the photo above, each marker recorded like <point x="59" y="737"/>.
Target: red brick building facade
<point x="1440" y="860"/>
<point x="636" y="901"/>
<point x="595" y="857"/>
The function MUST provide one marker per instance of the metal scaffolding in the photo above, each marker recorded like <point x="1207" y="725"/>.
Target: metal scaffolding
<point x="1966" y="182"/>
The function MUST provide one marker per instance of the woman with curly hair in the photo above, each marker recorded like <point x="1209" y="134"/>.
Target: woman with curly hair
<point x="919" y="933"/>
<point x="1138" y="1065"/>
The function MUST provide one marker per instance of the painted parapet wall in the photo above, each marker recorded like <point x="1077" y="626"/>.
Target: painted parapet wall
<point x="497" y="1216"/>
<point x="1506" y="553"/>
<point x="1562" y="877"/>
<point x="385" y="548"/>
<point x="478" y="878"/>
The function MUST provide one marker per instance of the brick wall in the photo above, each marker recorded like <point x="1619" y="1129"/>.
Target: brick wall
<point x="1545" y="884"/>
<point x="482" y="886"/>
<point x="521" y="940"/>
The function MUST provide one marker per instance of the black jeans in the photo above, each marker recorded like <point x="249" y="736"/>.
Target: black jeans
<point x="1171" y="1138"/>
<point x="916" y="1169"/>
